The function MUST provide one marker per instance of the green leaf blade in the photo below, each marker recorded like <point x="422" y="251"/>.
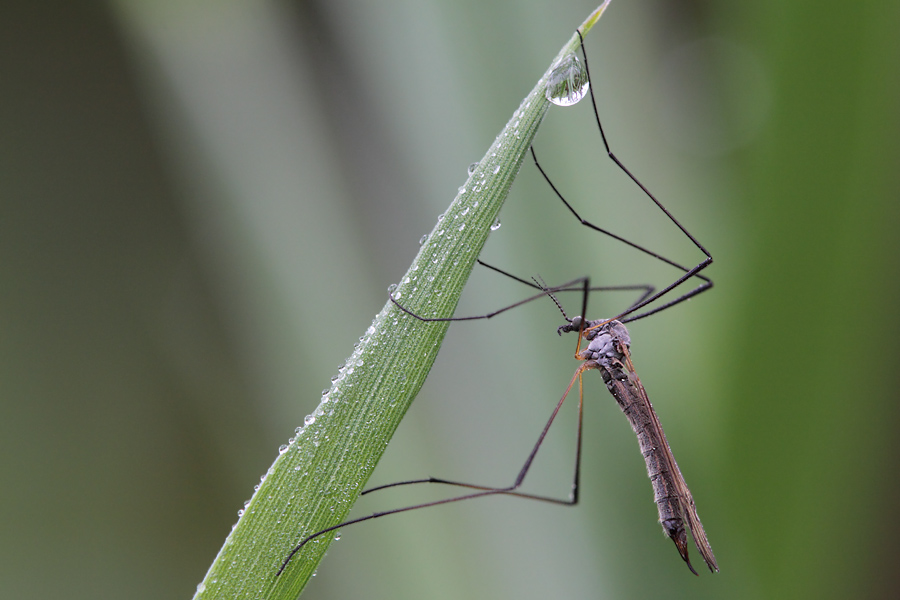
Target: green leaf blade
<point x="316" y="479"/>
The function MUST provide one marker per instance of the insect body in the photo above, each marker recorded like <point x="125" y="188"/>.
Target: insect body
<point x="608" y="352"/>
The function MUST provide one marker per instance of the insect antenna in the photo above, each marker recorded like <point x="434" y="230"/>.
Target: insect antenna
<point x="542" y="285"/>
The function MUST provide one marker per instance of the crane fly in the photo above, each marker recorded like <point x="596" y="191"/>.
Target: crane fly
<point x="608" y="351"/>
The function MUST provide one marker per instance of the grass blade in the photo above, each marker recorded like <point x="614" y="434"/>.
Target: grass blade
<point x="319" y="475"/>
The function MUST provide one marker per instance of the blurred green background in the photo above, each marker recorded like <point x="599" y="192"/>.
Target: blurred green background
<point x="203" y="203"/>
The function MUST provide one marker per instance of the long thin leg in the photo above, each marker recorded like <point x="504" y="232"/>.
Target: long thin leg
<point x="490" y="314"/>
<point x="571" y="286"/>
<point x="649" y="295"/>
<point x="484" y="491"/>
<point x="585" y="289"/>
<point x="647" y="289"/>
<point x="688" y="273"/>
<point x="573" y="498"/>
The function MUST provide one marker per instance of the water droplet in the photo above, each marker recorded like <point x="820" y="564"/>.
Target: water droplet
<point x="463" y="226"/>
<point x="337" y="536"/>
<point x="496" y="225"/>
<point x="309" y="420"/>
<point x="241" y="513"/>
<point x="462" y="189"/>
<point x="325" y="392"/>
<point x="472" y="168"/>
<point x="496" y="169"/>
<point x="568" y="82"/>
<point x="282" y="449"/>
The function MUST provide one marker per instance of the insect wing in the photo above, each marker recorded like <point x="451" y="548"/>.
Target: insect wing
<point x="686" y="500"/>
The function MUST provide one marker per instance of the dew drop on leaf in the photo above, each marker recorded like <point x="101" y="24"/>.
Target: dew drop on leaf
<point x="568" y="82"/>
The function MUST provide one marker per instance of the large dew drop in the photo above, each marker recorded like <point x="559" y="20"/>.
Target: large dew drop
<point x="568" y="82"/>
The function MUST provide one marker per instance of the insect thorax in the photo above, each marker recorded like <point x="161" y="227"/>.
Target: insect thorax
<point x="603" y="341"/>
